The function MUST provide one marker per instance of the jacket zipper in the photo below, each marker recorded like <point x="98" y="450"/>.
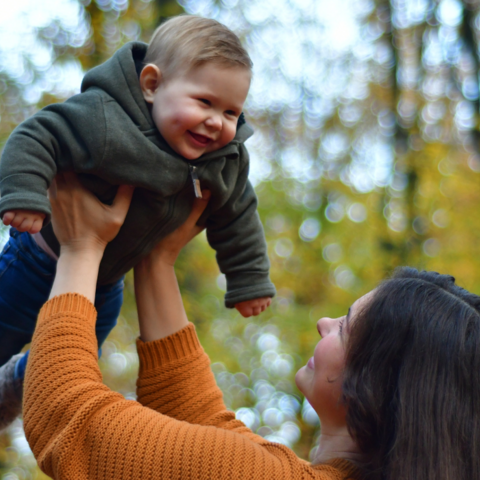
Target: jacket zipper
<point x="195" y="180"/>
<point x="168" y="217"/>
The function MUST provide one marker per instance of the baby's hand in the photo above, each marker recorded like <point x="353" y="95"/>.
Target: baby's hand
<point x="253" y="307"/>
<point x="24" y="220"/>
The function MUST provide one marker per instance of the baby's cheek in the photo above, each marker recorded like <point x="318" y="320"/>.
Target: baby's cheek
<point x="230" y="133"/>
<point x="225" y="139"/>
<point x="187" y="117"/>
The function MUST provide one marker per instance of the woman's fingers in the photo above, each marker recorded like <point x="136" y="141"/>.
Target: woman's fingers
<point x="52" y="190"/>
<point x="63" y="181"/>
<point x="80" y="218"/>
<point x="67" y="183"/>
<point x="70" y="179"/>
<point x="198" y="207"/>
<point x="122" y="201"/>
<point x="169" y="247"/>
<point x="190" y="229"/>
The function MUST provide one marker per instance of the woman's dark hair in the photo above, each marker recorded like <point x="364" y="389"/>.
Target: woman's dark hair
<point x="412" y="379"/>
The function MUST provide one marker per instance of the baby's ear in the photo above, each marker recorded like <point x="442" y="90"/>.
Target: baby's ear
<point x="150" y="78"/>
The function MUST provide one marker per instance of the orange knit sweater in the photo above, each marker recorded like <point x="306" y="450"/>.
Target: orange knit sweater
<point x="179" y="428"/>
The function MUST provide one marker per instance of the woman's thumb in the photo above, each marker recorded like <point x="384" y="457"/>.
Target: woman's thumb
<point x="199" y="205"/>
<point x="122" y="201"/>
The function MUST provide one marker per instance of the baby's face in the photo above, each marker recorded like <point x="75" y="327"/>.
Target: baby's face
<point x="197" y="111"/>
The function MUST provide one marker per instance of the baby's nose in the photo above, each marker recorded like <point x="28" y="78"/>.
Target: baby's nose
<point x="214" y="122"/>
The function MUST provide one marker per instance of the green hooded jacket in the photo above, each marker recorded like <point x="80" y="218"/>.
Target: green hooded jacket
<point x="107" y="136"/>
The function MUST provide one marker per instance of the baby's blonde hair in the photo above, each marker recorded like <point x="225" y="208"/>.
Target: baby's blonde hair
<point x="188" y="41"/>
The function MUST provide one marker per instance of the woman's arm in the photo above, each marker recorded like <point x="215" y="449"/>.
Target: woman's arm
<point x="159" y="303"/>
<point x="175" y="376"/>
<point x="79" y="429"/>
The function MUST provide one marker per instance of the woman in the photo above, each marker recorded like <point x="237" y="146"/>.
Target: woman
<point x="394" y="382"/>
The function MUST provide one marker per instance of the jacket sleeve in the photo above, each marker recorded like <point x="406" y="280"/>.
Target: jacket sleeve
<point x="79" y="429"/>
<point x="236" y="233"/>
<point x="51" y="140"/>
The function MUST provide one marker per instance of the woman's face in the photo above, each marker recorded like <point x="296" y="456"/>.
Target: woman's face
<point x="321" y="379"/>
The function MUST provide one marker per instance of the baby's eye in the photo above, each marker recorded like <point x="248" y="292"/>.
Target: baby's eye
<point x="205" y="101"/>
<point x="232" y="113"/>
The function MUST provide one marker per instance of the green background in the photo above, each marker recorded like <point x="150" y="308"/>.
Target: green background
<point x="366" y="157"/>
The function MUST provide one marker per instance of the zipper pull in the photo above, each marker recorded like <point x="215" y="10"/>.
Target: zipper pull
<point x="196" y="181"/>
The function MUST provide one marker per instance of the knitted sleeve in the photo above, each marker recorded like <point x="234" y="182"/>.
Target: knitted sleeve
<point x="80" y="429"/>
<point x="175" y="379"/>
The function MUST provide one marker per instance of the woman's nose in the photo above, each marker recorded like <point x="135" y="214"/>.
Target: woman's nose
<point x="326" y="324"/>
<point x="323" y="326"/>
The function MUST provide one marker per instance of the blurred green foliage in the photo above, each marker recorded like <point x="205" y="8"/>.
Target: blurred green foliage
<point x="366" y="157"/>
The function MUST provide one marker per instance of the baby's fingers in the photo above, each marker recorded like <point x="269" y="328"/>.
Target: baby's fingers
<point x="25" y="225"/>
<point x="37" y="226"/>
<point x="8" y="218"/>
<point x="17" y="220"/>
<point x="245" y="310"/>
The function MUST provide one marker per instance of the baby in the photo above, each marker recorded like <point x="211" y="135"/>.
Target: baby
<point x="165" y="118"/>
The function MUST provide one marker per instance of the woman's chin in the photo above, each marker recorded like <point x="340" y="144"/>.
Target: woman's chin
<point x="300" y="380"/>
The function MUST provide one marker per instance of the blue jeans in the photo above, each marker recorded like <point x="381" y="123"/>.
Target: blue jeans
<point x="26" y="278"/>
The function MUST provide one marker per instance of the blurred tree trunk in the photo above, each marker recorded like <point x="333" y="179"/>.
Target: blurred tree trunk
<point x="469" y="36"/>
<point x="109" y="28"/>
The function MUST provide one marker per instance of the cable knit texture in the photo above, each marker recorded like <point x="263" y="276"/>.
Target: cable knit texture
<point x="80" y="429"/>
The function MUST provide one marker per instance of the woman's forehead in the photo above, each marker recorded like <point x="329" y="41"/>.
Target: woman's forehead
<point x="361" y="302"/>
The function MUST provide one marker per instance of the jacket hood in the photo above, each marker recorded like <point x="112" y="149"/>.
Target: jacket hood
<point x="118" y="77"/>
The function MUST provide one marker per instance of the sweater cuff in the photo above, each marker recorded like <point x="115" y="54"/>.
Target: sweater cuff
<point x="68" y="303"/>
<point x="166" y="350"/>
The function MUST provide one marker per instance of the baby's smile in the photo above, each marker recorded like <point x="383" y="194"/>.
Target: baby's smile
<point x="198" y="139"/>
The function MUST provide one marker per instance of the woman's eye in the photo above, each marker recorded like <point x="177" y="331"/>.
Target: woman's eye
<point x="205" y="101"/>
<point x="340" y="327"/>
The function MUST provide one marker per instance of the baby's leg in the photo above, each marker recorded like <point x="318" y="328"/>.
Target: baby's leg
<point x="108" y="302"/>
<point x="26" y="277"/>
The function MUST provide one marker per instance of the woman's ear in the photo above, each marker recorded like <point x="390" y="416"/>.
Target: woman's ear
<point x="150" y="79"/>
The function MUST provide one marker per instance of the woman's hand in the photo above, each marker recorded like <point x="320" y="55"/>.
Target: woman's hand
<point x="80" y="220"/>
<point x="159" y="303"/>
<point x="83" y="226"/>
<point x="168" y="248"/>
